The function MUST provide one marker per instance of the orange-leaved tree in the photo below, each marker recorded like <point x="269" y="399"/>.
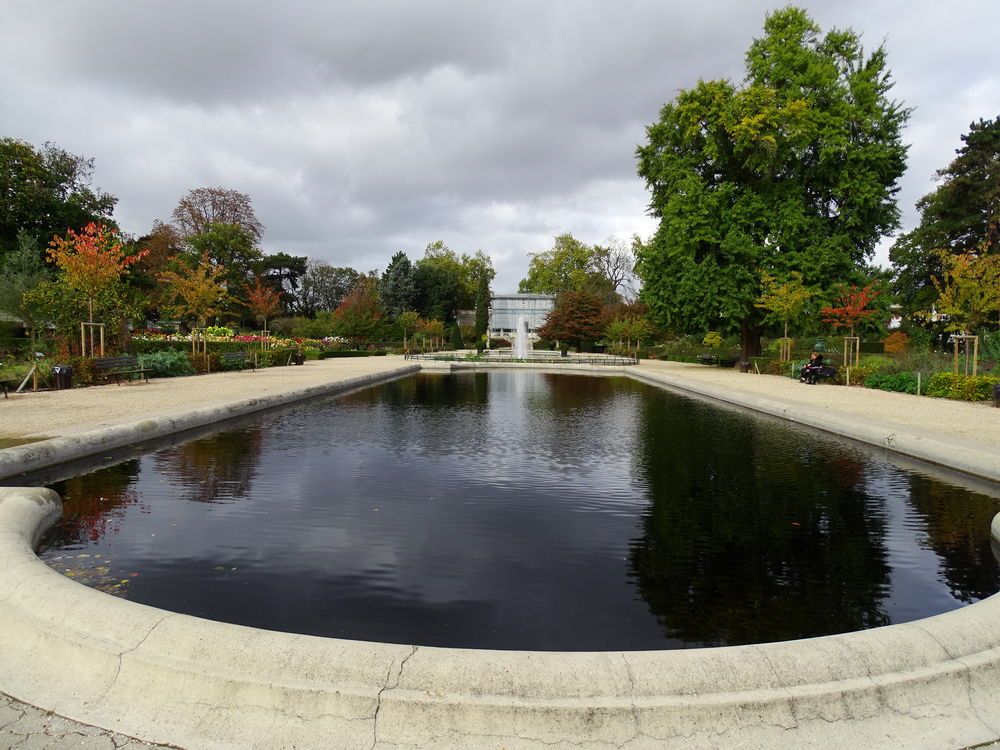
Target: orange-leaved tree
<point x="91" y="260"/>
<point x="262" y="300"/>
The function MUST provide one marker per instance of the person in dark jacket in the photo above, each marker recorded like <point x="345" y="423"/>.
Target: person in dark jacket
<point x="809" y="372"/>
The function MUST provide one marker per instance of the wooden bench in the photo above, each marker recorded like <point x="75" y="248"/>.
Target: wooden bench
<point x="715" y="359"/>
<point x="237" y="358"/>
<point x="119" y="367"/>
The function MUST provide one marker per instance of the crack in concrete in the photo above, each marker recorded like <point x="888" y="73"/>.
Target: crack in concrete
<point x="123" y="654"/>
<point x="966" y="676"/>
<point x="387" y="686"/>
<point x="637" y="727"/>
<point x="783" y="687"/>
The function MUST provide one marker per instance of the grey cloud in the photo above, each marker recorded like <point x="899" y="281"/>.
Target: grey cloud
<point x="363" y="128"/>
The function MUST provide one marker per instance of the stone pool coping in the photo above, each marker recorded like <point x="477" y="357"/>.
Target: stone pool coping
<point x="180" y="680"/>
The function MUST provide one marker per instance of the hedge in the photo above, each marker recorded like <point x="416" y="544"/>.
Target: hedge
<point x="963" y="387"/>
<point x="350" y="353"/>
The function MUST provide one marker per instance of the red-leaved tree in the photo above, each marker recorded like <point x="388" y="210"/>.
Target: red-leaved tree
<point x="577" y="317"/>
<point x="262" y="301"/>
<point x="853" y="307"/>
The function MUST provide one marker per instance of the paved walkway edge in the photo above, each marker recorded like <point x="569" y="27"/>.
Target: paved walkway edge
<point x="33" y="456"/>
<point x="171" y="678"/>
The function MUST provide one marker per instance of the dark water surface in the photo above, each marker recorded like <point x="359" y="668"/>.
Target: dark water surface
<point x="526" y="510"/>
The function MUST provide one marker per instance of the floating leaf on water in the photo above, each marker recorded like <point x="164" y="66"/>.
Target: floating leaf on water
<point x="83" y="555"/>
<point x="219" y="567"/>
<point x="232" y="568"/>
<point x="124" y="580"/>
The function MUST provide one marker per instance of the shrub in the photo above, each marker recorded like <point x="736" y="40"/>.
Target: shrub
<point x="963" y="387"/>
<point x="858" y="374"/>
<point x="350" y="353"/>
<point x="895" y="342"/>
<point x="712" y="338"/>
<point x="167" y="363"/>
<point x="218" y="331"/>
<point x="873" y="364"/>
<point x="900" y="382"/>
<point x="920" y="360"/>
<point x="203" y="362"/>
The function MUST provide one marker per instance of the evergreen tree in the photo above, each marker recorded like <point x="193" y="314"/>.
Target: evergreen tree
<point x="483" y="301"/>
<point x="397" y="289"/>
<point x="960" y="216"/>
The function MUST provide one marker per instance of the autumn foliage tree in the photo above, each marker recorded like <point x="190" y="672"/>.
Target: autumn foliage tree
<point x="202" y="207"/>
<point x="360" y="316"/>
<point x="91" y="260"/>
<point x="196" y="293"/>
<point x="577" y="317"/>
<point x="968" y="290"/>
<point x="262" y="301"/>
<point x="784" y="300"/>
<point x="854" y="307"/>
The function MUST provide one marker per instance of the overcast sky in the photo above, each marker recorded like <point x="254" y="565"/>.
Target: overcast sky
<point x="363" y="128"/>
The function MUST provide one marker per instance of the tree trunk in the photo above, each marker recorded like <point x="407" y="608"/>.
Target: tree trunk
<point x="750" y="340"/>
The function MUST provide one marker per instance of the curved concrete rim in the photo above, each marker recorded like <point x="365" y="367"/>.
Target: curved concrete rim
<point x="175" y="679"/>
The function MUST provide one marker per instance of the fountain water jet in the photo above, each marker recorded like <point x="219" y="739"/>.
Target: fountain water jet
<point x="521" y="346"/>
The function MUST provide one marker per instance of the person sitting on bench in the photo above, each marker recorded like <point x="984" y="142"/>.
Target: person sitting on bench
<point x="812" y="369"/>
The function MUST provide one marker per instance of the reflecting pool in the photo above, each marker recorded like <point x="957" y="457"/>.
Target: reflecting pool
<point x="528" y="510"/>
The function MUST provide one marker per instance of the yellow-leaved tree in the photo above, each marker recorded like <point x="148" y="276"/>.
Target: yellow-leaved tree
<point x="198" y="293"/>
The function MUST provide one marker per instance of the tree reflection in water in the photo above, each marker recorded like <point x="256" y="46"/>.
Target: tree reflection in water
<point x="219" y="468"/>
<point x="94" y="505"/>
<point x="751" y="536"/>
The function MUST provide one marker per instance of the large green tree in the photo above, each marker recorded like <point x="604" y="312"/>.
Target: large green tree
<point x="439" y="291"/>
<point x="45" y="192"/>
<point x="795" y="169"/>
<point x="397" y="290"/>
<point x="961" y="215"/>
<point x="21" y="270"/>
<point x="324" y="287"/>
<point x="570" y="265"/>
<point x="467" y="269"/>
<point x="231" y="247"/>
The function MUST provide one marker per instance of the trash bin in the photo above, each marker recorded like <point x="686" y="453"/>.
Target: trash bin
<point x="745" y="365"/>
<point x="996" y="395"/>
<point x="62" y="375"/>
<point x="298" y="358"/>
